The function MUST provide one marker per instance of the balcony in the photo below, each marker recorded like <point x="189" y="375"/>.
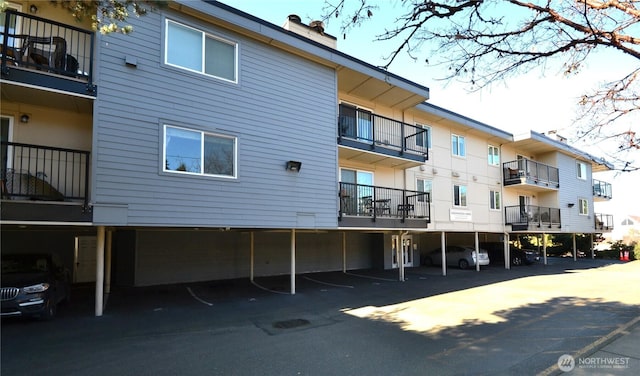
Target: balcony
<point x="530" y="175"/>
<point x="603" y="222"/>
<point x="601" y="190"/>
<point x="371" y="206"/>
<point x="41" y="183"/>
<point x="36" y="52"/>
<point x="374" y="139"/>
<point x="531" y="217"/>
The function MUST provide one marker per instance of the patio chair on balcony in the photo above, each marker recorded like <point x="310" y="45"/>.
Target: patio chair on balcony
<point x="45" y="58"/>
<point x="24" y="184"/>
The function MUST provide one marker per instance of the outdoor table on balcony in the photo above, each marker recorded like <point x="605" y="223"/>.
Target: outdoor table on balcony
<point x="382" y="206"/>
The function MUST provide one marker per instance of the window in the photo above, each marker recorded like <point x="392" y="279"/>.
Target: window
<point x="494" y="200"/>
<point x="584" y="206"/>
<point x="196" y="152"/>
<point x="423" y="139"/>
<point x="494" y="155"/>
<point x="424" y="186"/>
<point x="194" y="50"/>
<point x="582" y="170"/>
<point x="457" y="145"/>
<point x="459" y="195"/>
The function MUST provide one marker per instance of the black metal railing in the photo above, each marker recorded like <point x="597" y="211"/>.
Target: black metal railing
<point x="371" y="201"/>
<point x="531" y="215"/>
<point x="602" y="189"/>
<point x="39" y="44"/>
<point x="380" y="131"/>
<point x="44" y="173"/>
<point x="603" y="221"/>
<point x="530" y="172"/>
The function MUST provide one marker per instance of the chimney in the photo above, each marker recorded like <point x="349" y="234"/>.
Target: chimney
<point x="313" y="31"/>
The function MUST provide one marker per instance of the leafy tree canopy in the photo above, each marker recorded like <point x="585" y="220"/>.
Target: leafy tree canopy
<point x="109" y="16"/>
<point x="482" y="42"/>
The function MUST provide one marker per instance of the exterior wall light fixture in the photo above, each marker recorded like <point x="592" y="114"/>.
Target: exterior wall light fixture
<point x="294" y="166"/>
<point x="24" y="118"/>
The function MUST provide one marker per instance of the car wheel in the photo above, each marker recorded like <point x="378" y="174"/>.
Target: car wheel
<point x="517" y="261"/>
<point x="49" y="311"/>
<point x="463" y="264"/>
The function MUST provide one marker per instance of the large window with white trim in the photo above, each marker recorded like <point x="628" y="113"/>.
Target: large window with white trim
<point x="424" y="186"/>
<point x="584" y="206"/>
<point x="459" y="195"/>
<point x="458" y="145"/>
<point x="195" y="50"/>
<point x="195" y="152"/>
<point x="494" y="200"/>
<point x="493" y="155"/>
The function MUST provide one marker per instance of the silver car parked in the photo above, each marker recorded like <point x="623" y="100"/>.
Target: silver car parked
<point x="460" y="256"/>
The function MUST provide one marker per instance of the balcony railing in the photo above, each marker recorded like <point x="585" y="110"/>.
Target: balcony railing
<point x="53" y="50"/>
<point x="364" y="130"/>
<point x="44" y="173"/>
<point x="376" y="202"/>
<point x="603" y="222"/>
<point x="602" y="189"/>
<point x="527" y="216"/>
<point x="525" y="171"/>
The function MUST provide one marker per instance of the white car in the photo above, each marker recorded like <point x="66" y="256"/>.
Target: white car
<point x="460" y="256"/>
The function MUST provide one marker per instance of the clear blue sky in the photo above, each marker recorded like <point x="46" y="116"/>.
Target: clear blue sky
<point x="540" y="101"/>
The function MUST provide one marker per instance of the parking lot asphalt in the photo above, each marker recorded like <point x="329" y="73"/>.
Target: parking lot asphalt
<point x="519" y="321"/>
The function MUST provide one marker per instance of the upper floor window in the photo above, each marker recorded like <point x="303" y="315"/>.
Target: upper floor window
<point x="584" y="206"/>
<point x="493" y="155"/>
<point x="197" y="51"/>
<point x="494" y="200"/>
<point x="582" y="170"/>
<point x="459" y="195"/>
<point x="423" y="138"/>
<point x="201" y="153"/>
<point x="457" y="145"/>
<point x="424" y="186"/>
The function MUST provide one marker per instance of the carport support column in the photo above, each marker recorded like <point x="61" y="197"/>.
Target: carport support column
<point x="251" y="255"/>
<point x="400" y="256"/>
<point x="293" y="261"/>
<point x="99" y="270"/>
<point x="344" y="251"/>
<point x="477" y="251"/>
<point x="507" y="256"/>
<point x="107" y="262"/>
<point x="544" y="248"/>
<point x="575" y="253"/>
<point x="443" y="246"/>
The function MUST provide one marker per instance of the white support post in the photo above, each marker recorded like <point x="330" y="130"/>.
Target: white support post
<point x="251" y="255"/>
<point x="107" y="262"/>
<point x="575" y="253"/>
<point x="344" y="251"/>
<point x="293" y="261"/>
<point x="400" y="257"/>
<point x="477" y="251"/>
<point x="443" y="246"/>
<point x="507" y="252"/>
<point x="99" y="271"/>
<point x="544" y="248"/>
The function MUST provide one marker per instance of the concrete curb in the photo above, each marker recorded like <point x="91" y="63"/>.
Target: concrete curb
<point x="594" y="347"/>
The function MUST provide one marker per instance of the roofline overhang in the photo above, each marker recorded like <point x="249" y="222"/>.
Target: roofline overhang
<point x="566" y="148"/>
<point x="466" y="121"/>
<point x="276" y="35"/>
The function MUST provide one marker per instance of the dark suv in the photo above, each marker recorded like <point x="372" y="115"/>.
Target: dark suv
<point x="33" y="285"/>
<point x="518" y="256"/>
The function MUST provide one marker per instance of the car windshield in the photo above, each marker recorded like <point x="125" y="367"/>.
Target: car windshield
<point x="24" y="264"/>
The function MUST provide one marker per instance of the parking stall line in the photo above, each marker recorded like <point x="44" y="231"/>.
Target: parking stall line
<point x="327" y="283"/>
<point x="198" y="298"/>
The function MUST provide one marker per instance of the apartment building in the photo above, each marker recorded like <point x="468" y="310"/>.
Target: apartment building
<point x="210" y="144"/>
